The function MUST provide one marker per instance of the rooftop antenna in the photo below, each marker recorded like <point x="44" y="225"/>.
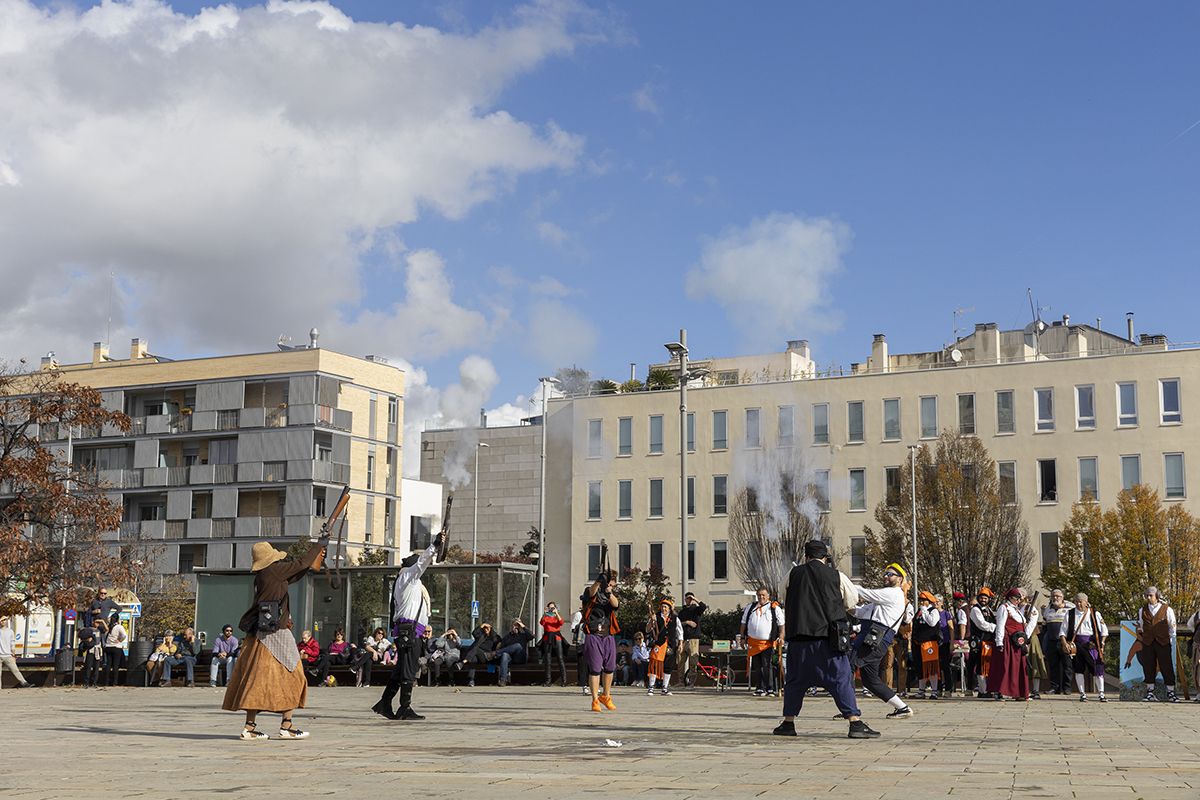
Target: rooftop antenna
<point x="958" y="312"/>
<point x="1037" y="326"/>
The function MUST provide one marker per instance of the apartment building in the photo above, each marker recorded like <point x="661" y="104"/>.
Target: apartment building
<point x="226" y="451"/>
<point x="1066" y="410"/>
<point x="509" y="480"/>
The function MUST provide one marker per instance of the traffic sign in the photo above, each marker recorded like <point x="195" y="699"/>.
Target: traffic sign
<point x="474" y="609"/>
<point x="69" y="615"/>
<point x="135" y="609"/>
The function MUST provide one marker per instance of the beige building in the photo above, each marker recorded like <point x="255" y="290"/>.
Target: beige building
<point x="1064" y="409"/>
<point x="229" y="450"/>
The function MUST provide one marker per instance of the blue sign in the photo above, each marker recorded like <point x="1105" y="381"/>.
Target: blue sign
<point x="474" y="609"/>
<point x="135" y="609"/>
<point x="69" y="615"/>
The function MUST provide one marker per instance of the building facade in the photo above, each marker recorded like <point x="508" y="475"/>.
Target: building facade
<point x="1066" y="411"/>
<point x="509" y="481"/>
<point x="223" y="452"/>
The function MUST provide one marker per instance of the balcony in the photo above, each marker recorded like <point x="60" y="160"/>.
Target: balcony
<point x="258" y="527"/>
<point x="120" y="478"/>
<point x="329" y="472"/>
<point x="228" y="420"/>
<point x="277" y="418"/>
<point x="224" y="473"/>
<point x="274" y="471"/>
<point x="222" y="528"/>
<point x="177" y="476"/>
<point x="176" y="529"/>
<point x="49" y="432"/>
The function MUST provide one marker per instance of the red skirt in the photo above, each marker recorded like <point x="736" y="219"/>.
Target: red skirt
<point x="1007" y="675"/>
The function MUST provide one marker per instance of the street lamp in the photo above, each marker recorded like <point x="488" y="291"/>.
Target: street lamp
<point x="475" y="525"/>
<point x="541" y="562"/>
<point x="912" y="457"/>
<point x="679" y="350"/>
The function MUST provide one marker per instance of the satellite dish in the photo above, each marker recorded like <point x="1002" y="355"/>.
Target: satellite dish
<point x="956" y="356"/>
<point x="1041" y="326"/>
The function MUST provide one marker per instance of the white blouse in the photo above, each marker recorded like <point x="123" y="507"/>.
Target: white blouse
<point x="1009" y="610"/>
<point x="1084" y="627"/>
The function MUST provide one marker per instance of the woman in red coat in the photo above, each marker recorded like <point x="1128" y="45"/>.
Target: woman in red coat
<point x="1013" y="628"/>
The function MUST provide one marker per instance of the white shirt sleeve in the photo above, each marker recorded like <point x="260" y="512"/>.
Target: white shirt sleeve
<point x="678" y="629"/>
<point x="780" y="620"/>
<point x="884" y="596"/>
<point x="998" y="629"/>
<point x="976" y="617"/>
<point x="960" y="618"/>
<point x="1171" y="622"/>
<point x="1103" y="633"/>
<point x="1031" y="622"/>
<point x="850" y="592"/>
<point x="930" y="616"/>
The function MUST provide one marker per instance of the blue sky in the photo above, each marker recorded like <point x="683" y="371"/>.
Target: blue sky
<point x="961" y="152"/>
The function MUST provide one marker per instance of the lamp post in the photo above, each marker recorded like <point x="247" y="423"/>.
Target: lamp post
<point x="541" y="565"/>
<point x="475" y="524"/>
<point x="680" y="351"/>
<point x="912" y="459"/>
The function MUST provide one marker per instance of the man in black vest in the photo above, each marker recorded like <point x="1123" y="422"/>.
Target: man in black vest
<point x="818" y="597"/>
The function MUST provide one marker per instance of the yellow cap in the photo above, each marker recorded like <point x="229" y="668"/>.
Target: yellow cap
<point x="898" y="569"/>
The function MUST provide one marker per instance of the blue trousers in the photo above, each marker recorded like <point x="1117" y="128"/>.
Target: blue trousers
<point x="812" y="662"/>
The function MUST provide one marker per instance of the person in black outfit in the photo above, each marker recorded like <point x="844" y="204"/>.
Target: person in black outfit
<point x="689" y="651"/>
<point x="92" y="651"/>
<point x="483" y="650"/>
<point x="818" y="598"/>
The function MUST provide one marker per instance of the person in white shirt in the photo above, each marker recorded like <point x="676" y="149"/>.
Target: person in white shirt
<point x="1054" y="615"/>
<point x="114" y="649"/>
<point x="882" y="612"/>
<point x="1155" y="633"/>
<point x="578" y="632"/>
<point x="1008" y="671"/>
<point x="926" y="634"/>
<point x="762" y="627"/>
<point x="1085" y="632"/>
<point x="981" y="623"/>
<point x="7" y="660"/>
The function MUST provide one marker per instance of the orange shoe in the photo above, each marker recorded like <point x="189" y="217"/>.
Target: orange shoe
<point x="607" y="700"/>
<point x="596" y="706"/>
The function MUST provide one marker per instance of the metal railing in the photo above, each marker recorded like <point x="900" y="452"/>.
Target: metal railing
<point x="274" y="471"/>
<point x="131" y="529"/>
<point x="120" y="478"/>
<point x="277" y="418"/>
<point x="49" y="432"/>
<point x="181" y="423"/>
<point x="224" y="473"/>
<point x="271" y="526"/>
<point x="177" y="530"/>
<point x="228" y="420"/>
<point x="329" y="472"/>
<point x="177" y="476"/>
<point x="222" y="528"/>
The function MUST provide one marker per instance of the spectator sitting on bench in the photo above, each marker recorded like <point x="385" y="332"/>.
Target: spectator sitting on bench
<point x="624" y="663"/>
<point x="224" y="653"/>
<point x="374" y="646"/>
<point x="639" y="658"/>
<point x="165" y="649"/>
<point x="514" y="649"/>
<point x="187" y="650"/>
<point x="310" y="653"/>
<point x="339" y="655"/>
<point x="444" y="652"/>
<point x="426" y="651"/>
<point x="483" y="650"/>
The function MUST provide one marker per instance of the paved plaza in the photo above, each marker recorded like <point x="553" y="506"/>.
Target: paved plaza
<point x="545" y="743"/>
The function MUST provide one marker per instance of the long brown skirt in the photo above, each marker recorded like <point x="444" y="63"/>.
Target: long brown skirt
<point x="261" y="683"/>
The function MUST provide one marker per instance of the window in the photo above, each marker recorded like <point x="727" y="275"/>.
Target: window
<point x="393" y="410"/>
<point x="720" y="499"/>
<point x="929" y="425"/>
<point x="727" y="378"/>
<point x="1049" y="549"/>
<point x="1047" y="481"/>
<point x="821" y="486"/>
<point x="1173" y="476"/>
<point x="656" y="434"/>
<point x="967" y="472"/>
<point x="222" y="451"/>
<point x="720" y="430"/>
<point x="319" y="509"/>
<point x="625" y="436"/>
<point x="691" y="431"/>
<point x="858" y="557"/>
<point x="858" y="490"/>
<point x="1089" y="480"/>
<point x="624" y="559"/>
<point x="1085" y="408"/>
<point x="596" y="438"/>
<point x="593" y="500"/>
<point x="1007" y="471"/>
<point x="191" y="557"/>
<point x="891" y="479"/>
<point x="691" y="561"/>
<point x="368" y="519"/>
<point x="891" y="420"/>
<point x="1168" y="401"/>
<point x="787" y="426"/>
<point x="966" y="414"/>
<point x="420" y="534"/>
<point x="656" y="553"/>
<point x="691" y="500"/>
<point x="1006" y="419"/>
<point x="720" y="561"/>
<point x="370" y="471"/>
<point x="1131" y="471"/>
<point x="1127" y="404"/>
<point x="656" y="497"/>
<point x="593" y="560"/>
<point x="820" y="421"/>
<point x="1044" y="402"/>
<point x="753" y="435"/>
<point x="854" y="421"/>
<point x="624" y="499"/>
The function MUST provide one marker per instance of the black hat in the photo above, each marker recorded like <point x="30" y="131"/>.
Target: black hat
<point x="815" y="548"/>
<point x="408" y="561"/>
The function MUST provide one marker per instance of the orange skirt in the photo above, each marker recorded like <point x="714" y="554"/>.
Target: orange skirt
<point x="260" y="683"/>
<point x="658" y="660"/>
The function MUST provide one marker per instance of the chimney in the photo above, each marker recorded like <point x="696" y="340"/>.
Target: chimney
<point x="99" y="353"/>
<point x="1067" y="319"/>
<point x="1129" y="325"/>
<point x="800" y="347"/>
<point x="483" y="417"/>
<point x="879" y="354"/>
<point x="313" y="336"/>
<point x="633" y="370"/>
<point x="138" y="348"/>
<point x="855" y="368"/>
<point x="987" y="343"/>
<point x="1077" y="345"/>
<point x="49" y="361"/>
<point x="1153" y="341"/>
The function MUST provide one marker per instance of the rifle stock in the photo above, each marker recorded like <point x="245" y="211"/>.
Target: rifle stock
<point x="444" y="534"/>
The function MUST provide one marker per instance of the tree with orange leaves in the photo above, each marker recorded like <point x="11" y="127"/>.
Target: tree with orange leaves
<point x="53" y="516"/>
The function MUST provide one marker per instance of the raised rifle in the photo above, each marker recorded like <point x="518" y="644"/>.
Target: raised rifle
<point x="337" y="517"/>
<point x="443" y="537"/>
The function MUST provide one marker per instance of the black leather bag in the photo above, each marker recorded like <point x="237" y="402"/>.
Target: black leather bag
<point x="268" y="617"/>
<point x="404" y="634"/>
<point x="839" y="636"/>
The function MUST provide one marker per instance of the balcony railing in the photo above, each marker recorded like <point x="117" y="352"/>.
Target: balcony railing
<point x="177" y="529"/>
<point x="120" y="478"/>
<point x="329" y="472"/>
<point x="222" y="528"/>
<point x="130" y="530"/>
<point x="225" y="473"/>
<point x="49" y="432"/>
<point x="177" y="476"/>
<point x="272" y="526"/>
<point x="181" y="423"/>
<point x="274" y="471"/>
<point x="277" y="418"/>
<point x="227" y="420"/>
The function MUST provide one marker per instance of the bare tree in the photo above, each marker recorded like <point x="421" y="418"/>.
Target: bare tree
<point x="970" y="532"/>
<point x="764" y="542"/>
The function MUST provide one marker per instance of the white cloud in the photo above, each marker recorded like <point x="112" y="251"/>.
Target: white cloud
<point x="232" y="166"/>
<point x="559" y="335"/>
<point x="644" y="99"/>
<point x="550" y="287"/>
<point x="772" y="276"/>
<point x="552" y="234"/>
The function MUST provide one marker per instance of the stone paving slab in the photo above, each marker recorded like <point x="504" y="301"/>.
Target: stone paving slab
<point x="533" y="743"/>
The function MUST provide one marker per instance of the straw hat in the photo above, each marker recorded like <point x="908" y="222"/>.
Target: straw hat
<point x="264" y="555"/>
